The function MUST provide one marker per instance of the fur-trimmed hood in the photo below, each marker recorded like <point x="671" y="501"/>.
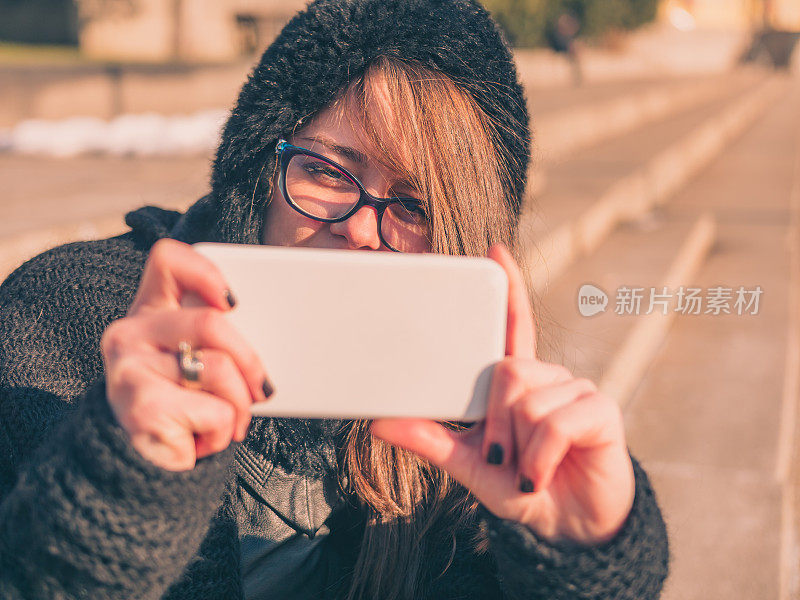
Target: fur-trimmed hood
<point x="318" y="53"/>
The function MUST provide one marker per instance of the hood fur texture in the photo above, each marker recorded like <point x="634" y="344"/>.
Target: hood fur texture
<point x="319" y="52"/>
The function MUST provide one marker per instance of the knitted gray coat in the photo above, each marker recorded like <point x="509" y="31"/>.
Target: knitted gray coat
<point x="83" y="515"/>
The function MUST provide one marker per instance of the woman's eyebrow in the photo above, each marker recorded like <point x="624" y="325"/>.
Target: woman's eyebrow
<point x="346" y="151"/>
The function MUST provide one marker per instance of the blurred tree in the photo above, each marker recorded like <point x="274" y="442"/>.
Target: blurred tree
<point x="523" y="21"/>
<point x="532" y="22"/>
<point x="39" y="21"/>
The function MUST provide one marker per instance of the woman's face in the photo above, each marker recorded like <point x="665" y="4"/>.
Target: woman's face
<point x="335" y="137"/>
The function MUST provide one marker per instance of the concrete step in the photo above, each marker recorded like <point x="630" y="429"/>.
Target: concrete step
<point x="49" y="201"/>
<point x="598" y="187"/>
<point x="554" y="99"/>
<point x="714" y="419"/>
<point x="43" y="192"/>
<point x="566" y="122"/>
<point x="650" y="253"/>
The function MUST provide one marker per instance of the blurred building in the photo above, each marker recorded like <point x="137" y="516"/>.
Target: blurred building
<point x="733" y="14"/>
<point x="180" y="30"/>
<point x="222" y="30"/>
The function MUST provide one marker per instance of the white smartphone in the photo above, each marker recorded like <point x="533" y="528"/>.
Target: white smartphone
<point x="349" y="334"/>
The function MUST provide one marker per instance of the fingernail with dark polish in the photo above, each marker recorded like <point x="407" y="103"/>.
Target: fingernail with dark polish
<point x="525" y="485"/>
<point x="229" y="297"/>
<point x="495" y="455"/>
<point x="267" y="388"/>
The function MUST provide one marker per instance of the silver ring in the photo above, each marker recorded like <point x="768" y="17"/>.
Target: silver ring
<point x="190" y="366"/>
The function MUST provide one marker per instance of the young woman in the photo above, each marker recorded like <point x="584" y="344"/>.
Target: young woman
<point x="368" y="125"/>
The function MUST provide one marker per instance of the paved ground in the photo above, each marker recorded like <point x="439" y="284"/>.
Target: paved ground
<point x="565" y="97"/>
<point x="712" y="418"/>
<point x="574" y="184"/>
<point x="707" y="419"/>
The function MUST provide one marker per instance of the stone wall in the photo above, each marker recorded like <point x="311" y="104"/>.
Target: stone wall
<point x="105" y="92"/>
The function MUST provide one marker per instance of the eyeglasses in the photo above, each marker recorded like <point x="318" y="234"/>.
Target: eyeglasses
<point x="319" y="188"/>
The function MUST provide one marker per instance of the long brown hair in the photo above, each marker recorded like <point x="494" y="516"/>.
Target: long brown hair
<point x="434" y="135"/>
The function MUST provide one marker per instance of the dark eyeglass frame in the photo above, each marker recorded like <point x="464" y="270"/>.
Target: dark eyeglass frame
<point x="286" y="151"/>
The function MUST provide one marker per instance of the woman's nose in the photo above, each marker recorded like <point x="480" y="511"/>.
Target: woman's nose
<point x="361" y="229"/>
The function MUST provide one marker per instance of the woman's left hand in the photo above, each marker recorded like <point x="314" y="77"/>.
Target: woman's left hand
<point x="564" y="469"/>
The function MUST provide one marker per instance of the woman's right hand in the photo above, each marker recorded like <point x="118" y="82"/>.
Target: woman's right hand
<point x="168" y="424"/>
